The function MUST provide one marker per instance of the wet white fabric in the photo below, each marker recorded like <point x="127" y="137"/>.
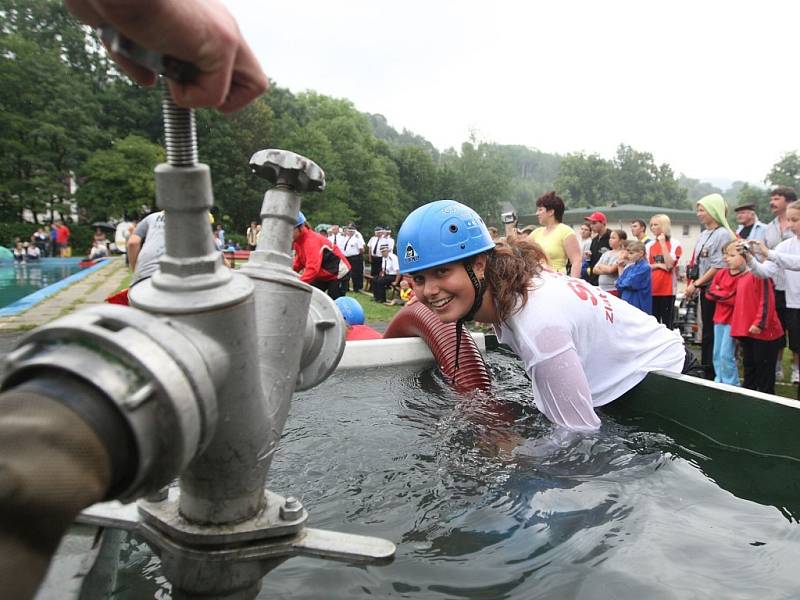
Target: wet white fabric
<point x="783" y="263"/>
<point x="583" y="348"/>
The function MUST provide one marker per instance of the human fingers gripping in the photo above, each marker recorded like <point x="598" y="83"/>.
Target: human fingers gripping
<point x="230" y="75"/>
<point x="248" y="81"/>
<point x="203" y="33"/>
<point x="139" y="74"/>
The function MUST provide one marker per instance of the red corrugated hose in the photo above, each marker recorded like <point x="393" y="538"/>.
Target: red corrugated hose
<point x="417" y="320"/>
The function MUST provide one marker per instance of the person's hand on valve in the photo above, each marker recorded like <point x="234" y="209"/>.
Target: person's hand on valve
<point x="200" y="32"/>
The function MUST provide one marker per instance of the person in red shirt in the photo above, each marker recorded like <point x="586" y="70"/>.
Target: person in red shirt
<point x="757" y="327"/>
<point x="62" y="237"/>
<point x="318" y="261"/>
<point x="722" y="291"/>
<point x="663" y="255"/>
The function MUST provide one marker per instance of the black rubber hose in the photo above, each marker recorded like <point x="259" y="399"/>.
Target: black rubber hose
<point x="60" y="442"/>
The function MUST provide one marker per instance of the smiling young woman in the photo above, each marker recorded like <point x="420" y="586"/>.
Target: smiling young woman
<point x="577" y="342"/>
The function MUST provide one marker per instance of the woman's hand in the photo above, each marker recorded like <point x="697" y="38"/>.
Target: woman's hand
<point x="690" y="290"/>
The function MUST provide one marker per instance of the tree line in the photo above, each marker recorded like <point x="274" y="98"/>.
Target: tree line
<point x="69" y="119"/>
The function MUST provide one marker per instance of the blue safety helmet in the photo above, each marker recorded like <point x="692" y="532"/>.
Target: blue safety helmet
<point x="438" y="233"/>
<point x="351" y="310"/>
<point x="301" y="218"/>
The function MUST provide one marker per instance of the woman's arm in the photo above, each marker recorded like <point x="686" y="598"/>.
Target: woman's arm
<point x="561" y="392"/>
<point x="762" y="270"/>
<point x="790" y="262"/>
<point x="573" y="251"/>
<point x="604" y="268"/>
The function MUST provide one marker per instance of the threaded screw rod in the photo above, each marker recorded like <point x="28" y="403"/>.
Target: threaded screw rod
<point x="180" y="133"/>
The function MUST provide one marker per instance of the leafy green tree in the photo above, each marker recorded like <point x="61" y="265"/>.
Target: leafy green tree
<point x="360" y="174"/>
<point x="696" y="189"/>
<point x="641" y="181"/>
<point x="417" y="173"/>
<point x="786" y="171"/>
<point x="479" y="178"/>
<point x="119" y="181"/>
<point x="46" y="126"/>
<point x="751" y="194"/>
<point x="385" y="132"/>
<point x="586" y="180"/>
<point x="226" y="143"/>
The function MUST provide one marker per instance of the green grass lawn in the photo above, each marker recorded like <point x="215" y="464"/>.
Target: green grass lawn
<point x="374" y="312"/>
<point x="787" y="390"/>
<point x="125" y="283"/>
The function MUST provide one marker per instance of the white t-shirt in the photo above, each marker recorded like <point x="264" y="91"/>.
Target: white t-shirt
<point x="151" y="230"/>
<point x="783" y="262"/>
<point x="352" y="245"/>
<point x="583" y="347"/>
<point x="121" y="235"/>
<point x="337" y="239"/>
<point x="390" y="264"/>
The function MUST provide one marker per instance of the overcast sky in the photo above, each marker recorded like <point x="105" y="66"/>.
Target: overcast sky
<point x="709" y="87"/>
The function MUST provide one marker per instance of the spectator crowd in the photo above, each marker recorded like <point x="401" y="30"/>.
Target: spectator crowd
<point x="745" y="281"/>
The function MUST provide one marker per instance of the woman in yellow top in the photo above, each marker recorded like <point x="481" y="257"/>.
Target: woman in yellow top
<point x="557" y="240"/>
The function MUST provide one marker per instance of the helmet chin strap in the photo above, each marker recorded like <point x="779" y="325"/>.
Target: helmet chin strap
<point x="480" y="287"/>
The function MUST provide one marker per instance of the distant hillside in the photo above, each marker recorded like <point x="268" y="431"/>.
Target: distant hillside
<point x="383" y="131"/>
<point x="535" y="172"/>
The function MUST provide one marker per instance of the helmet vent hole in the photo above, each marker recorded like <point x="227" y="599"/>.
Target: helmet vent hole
<point x="453" y="228"/>
<point x="463" y="246"/>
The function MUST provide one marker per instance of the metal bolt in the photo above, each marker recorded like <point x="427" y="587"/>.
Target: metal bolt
<point x="292" y="509"/>
<point x="282" y="167"/>
<point x="180" y="133"/>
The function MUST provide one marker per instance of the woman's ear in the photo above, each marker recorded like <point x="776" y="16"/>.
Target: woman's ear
<point x="479" y="267"/>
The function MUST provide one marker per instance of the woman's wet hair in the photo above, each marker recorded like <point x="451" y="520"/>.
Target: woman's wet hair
<point x="509" y="270"/>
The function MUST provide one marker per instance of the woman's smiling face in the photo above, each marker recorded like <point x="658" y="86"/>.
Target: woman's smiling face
<point x="446" y="290"/>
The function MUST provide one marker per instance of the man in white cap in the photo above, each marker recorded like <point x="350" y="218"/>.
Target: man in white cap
<point x="389" y="273"/>
<point x="374" y="251"/>
<point x="335" y="236"/>
<point x="353" y="249"/>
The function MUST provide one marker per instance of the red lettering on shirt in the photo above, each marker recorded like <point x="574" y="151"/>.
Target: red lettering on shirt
<point x="585" y="292"/>
<point x="582" y="291"/>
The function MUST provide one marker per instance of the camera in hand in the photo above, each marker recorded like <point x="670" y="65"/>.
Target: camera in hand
<point x="746" y="246"/>
<point x="509" y="217"/>
<point x="692" y="272"/>
<point x="659" y="258"/>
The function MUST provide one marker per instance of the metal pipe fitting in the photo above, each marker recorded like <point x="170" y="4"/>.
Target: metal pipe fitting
<point x="300" y="339"/>
<point x="225" y="483"/>
<point x="151" y="369"/>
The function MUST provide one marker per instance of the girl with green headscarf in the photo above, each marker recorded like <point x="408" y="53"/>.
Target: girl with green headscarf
<point x="712" y="212"/>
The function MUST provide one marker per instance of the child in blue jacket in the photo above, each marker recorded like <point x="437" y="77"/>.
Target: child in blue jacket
<point x="635" y="283"/>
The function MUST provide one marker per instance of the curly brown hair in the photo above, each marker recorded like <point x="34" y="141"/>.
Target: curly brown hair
<point x="509" y="271"/>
